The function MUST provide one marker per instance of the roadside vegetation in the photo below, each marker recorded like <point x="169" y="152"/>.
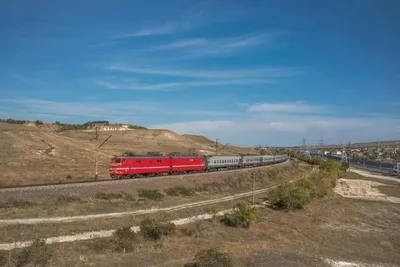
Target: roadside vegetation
<point x="38" y="254"/>
<point x="296" y="195"/>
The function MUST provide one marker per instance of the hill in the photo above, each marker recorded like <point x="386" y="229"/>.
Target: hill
<point x="36" y="153"/>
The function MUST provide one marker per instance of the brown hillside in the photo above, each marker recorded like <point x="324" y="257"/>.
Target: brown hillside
<point x="37" y="154"/>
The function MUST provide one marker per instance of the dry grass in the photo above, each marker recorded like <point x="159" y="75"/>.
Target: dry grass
<point x="368" y="233"/>
<point x="40" y="155"/>
<point x="98" y="201"/>
<point x="17" y="232"/>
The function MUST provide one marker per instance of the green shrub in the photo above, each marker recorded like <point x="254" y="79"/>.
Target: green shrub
<point x="152" y="194"/>
<point x="179" y="191"/>
<point x="288" y="196"/>
<point x="123" y="239"/>
<point x="110" y="196"/>
<point x="15" y="203"/>
<point x="242" y="216"/>
<point x="37" y="254"/>
<point x="153" y="229"/>
<point x="211" y="258"/>
<point x="68" y="198"/>
<point x="186" y="232"/>
<point x="295" y="195"/>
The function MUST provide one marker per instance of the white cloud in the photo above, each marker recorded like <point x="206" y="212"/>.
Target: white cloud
<point x="164" y="29"/>
<point x="176" y="85"/>
<point x="239" y="126"/>
<point x="283" y="107"/>
<point x="204" y="46"/>
<point x="284" y="130"/>
<point x="211" y="74"/>
<point x="121" y="110"/>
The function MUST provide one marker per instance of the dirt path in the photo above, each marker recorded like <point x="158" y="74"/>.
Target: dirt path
<point x="368" y="174"/>
<point x="135" y="212"/>
<point x="336" y="263"/>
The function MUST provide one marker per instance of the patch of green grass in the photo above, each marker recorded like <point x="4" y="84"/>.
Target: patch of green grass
<point x="296" y="195"/>
<point x="211" y="257"/>
<point x="111" y="196"/>
<point x="14" y="203"/>
<point x="179" y="191"/>
<point x="153" y="229"/>
<point x="67" y="198"/>
<point x="124" y="239"/>
<point x="152" y="194"/>
<point x="37" y="254"/>
<point x="244" y="214"/>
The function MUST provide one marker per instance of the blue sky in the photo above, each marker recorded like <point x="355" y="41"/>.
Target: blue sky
<point x="247" y="72"/>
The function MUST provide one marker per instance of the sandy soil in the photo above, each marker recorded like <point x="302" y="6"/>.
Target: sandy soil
<point x="363" y="189"/>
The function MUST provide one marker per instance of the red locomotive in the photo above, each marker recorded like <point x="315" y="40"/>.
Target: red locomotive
<point x="148" y="165"/>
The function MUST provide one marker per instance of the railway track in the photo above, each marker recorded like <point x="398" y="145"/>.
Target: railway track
<point x="34" y="187"/>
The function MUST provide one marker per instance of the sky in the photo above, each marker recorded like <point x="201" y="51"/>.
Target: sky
<point x="246" y="72"/>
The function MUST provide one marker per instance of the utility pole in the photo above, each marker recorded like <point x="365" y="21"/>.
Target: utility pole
<point x="97" y="152"/>
<point x="254" y="185"/>
<point x="344" y="154"/>
<point x="321" y="147"/>
<point x="349" y="154"/>
<point x="217" y="149"/>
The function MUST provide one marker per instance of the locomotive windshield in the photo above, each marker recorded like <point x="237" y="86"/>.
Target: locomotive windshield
<point x="116" y="160"/>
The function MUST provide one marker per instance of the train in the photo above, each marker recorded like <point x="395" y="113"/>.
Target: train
<point x="136" y="166"/>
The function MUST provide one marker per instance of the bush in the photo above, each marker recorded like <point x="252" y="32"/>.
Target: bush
<point x="14" y="203"/>
<point x="179" y="191"/>
<point x="153" y="229"/>
<point x="289" y="197"/>
<point x="37" y="254"/>
<point x="68" y="198"/>
<point x="110" y="196"/>
<point x="153" y="194"/>
<point x="242" y="216"/>
<point x="211" y="258"/>
<point x="123" y="239"/>
<point x="295" y="195"/>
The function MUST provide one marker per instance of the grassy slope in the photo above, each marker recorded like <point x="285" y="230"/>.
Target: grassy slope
<point x="30" y="154"/>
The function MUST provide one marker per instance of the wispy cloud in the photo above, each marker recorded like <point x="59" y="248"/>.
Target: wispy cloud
<point x="284" y="130"/>
<point x="164" y="29"/>
<point x="300" y="107"/>
<point x="177" y="85"/>
<point x="211" y="73"/>
<point x="206" y="46"/>
<point x="126" y="110"/>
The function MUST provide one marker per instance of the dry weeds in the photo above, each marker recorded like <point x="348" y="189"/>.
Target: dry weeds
<point x="275" y="238"/>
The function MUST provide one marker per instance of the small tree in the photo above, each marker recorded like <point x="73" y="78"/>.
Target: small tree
<point x="153" y="229"/>
<point x="242" y="216"/>
<point x="123" y="239"/>
<point x="211" y="258"/>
